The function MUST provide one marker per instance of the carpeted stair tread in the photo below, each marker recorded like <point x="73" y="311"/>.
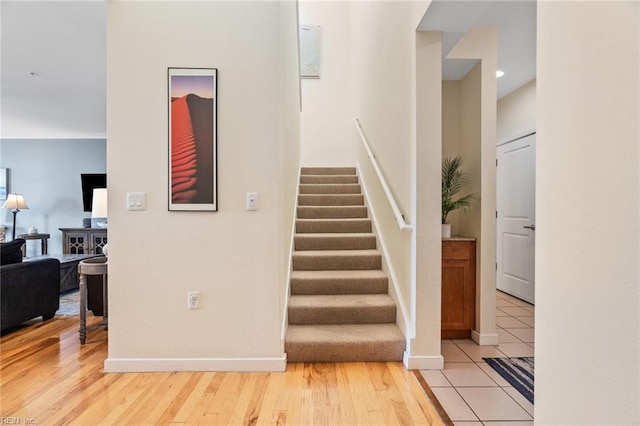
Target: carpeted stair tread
<point x="328" y="179"/>
<point x="335" y="241"/>
<point x="331" y="200"/>
<point x="314" y="260"/>
<point x="333" y="188"/>
<point x="348" y="225"/>
<point x="331" y="212"/>
<point x="342" y="309"/>
<point x="344" y="343"/>
<point x="328" y="171"/>
<point x="339" y="282"/>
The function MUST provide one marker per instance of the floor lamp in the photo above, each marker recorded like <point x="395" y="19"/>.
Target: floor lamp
<point x="15" y="202"/>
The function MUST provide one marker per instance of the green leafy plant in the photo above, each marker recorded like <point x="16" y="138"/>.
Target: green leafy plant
<point x="453" y="180"/>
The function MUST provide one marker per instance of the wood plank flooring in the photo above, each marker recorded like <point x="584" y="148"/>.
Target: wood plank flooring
<point x="48" y="378"/>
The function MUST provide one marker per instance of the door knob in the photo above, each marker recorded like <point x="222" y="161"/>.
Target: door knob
<point x="532" y="227"/>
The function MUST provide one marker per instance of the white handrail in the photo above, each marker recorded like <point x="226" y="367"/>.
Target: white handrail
<point x="404" y="226"/>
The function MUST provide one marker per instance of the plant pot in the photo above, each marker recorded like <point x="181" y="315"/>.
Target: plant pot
<point x="446" y="230"/>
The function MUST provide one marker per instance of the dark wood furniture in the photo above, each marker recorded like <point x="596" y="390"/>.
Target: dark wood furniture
<point x="96" y="267"/>
<point x="458" y="287"/>
<point x="68" y="268"/>
<point x="44" y="238"/>
<point x="83" y="240"/>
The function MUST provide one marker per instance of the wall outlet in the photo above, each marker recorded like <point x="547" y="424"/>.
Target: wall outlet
<point x="193" y="300"/>
<point x="252" y="201"/>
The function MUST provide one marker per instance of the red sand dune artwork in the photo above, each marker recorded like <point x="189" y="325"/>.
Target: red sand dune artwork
<point x="192" y="150"/>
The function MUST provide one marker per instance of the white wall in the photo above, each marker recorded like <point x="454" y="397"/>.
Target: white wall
<point x="233" y="257"/>
<point x="588" y="214"/>
<point x="327" y="127"/>
<point x="516" y="112"/>
<point x="47" y="172"/>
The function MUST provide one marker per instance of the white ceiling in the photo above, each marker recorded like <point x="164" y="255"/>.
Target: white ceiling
<point x="64" y="44"/>
<point x="516" y="24"/>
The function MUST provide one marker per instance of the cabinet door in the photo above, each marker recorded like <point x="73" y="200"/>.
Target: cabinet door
<point x="458" y="296"/>
<point x="76" y="243"/>
<point x="98" y="240"/>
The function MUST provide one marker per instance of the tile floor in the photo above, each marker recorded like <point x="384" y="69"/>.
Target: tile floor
<point x="469" y="390"/>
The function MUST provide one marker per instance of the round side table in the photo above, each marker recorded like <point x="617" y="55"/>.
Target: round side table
<point x="94" y="266"/>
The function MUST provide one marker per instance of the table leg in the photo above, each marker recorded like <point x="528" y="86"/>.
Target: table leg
<point x="105" y="298"/>
<point x="45" y="248"/>
<point x="83" y="307"/>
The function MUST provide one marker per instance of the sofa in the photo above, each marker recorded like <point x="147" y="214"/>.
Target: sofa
<point x="27" y="289"/>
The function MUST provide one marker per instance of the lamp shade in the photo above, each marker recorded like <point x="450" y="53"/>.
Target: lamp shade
<point x="99" y="205"/>
<point x="16" y="202"/>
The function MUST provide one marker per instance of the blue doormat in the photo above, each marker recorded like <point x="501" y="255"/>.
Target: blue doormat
<point x="517" y="371"/>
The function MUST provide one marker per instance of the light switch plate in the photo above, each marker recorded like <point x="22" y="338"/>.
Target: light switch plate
<point x="136" y="200"/>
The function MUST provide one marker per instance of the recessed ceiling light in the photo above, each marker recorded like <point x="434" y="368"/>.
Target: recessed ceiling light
<point x="499" y="73"/>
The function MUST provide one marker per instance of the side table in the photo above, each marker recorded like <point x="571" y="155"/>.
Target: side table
<point x="43" y="239"/>
<point x="94" y="266"/>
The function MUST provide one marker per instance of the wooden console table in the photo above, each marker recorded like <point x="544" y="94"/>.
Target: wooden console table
<point x="458" y="287"/>
<point x="83" y="240"/>
<point x="43" y="242"/>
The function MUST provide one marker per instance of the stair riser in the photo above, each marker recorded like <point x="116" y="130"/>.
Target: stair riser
<point x="330" y="189"/>
<point x="339" y="263"/>
<point x="333" y="226"/>
<point x="328" y="171"/>
<point x="328" y="179"/>
<point x="342" y="315"/>
<point x="327" y="287"/>
<point x="344" y="352"/>
<point x="348" y="212"/>
<point x="331" y="200"/>
<point x="303" y="242"/>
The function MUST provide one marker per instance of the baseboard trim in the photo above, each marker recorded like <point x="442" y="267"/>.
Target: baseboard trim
<point x="485" y="339"/>
<point x="145" y="365"/>
<point x="435" y="362"/>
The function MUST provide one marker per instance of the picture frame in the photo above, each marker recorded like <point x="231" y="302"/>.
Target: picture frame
<point x="193" y="142"/>
<point x="4" y="188"/>
<point x="310" y="53"/>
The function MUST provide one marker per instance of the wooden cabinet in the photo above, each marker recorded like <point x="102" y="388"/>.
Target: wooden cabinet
<point x="458" y="287"/>
<point x="83" y="240"/>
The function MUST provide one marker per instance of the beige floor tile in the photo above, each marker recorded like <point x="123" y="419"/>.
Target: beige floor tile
<point x="519" y="302"/>
<point x="495" y="376"/>
<point x="454" y="405"/>
<point x="500" y="313"/>
<point x="435" y="378"/>
<point x="516" y="311"/>
<point x="503" y="302"/>
<point x="530" y="321"/>
<point x="510" y="322"/>
<point x="527" y="335"/>
<point x="466" y="374"/>
<point x="493" y="404"/>
<point x="516" y="349"/>
<point x="530" y="308"/>
<point x="514" y="423"/>
<point x="452" y="353"/>
<point x="467" y="423"/>
<point x="477" y="352"/>
<point x="520" y="399"/>
<point x="505" y="337"/>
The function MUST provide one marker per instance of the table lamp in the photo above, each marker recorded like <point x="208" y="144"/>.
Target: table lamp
<point x="99" y="207"/>
<point x="15" y="202"/>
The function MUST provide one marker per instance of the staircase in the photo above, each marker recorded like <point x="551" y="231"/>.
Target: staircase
<point x="339" y="309"/>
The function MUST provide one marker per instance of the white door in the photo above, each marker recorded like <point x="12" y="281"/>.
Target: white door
<point x="516" y="218"/>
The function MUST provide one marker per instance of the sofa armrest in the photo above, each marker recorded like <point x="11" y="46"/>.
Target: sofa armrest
<point x="29" y="290"/>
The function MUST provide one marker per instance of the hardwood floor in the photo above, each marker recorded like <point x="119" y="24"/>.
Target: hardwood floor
<point x="47" y="377"/>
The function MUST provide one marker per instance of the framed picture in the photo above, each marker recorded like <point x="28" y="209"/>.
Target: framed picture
<point x="3" y="184"/>
<point x="193" y="122"/>
<point x="310" y="51"/>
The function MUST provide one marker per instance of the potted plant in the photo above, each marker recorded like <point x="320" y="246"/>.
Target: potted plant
<point x="453" y="180"/>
